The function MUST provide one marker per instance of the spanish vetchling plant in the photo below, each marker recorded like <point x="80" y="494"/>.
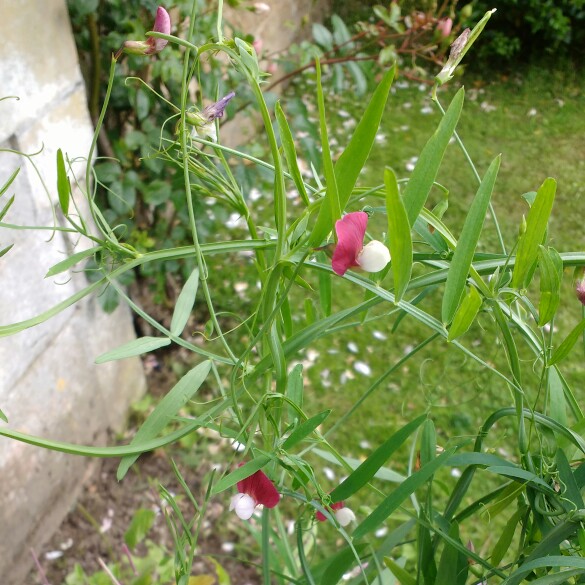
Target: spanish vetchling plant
<point x="258" y="386"/>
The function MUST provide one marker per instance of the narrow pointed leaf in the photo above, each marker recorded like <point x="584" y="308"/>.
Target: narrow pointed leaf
<point x="404" y="577"/>
<point x="165" y="410"/>
<point x="134" y="348"/>
<point x="368" y="469"/>
<point x="428" y="442"/>
<point x="290" y="153"/>
<point x="305" y="429"/>
<point x="551" y="276"/>
<point x="521" y="475"/>
<point x="533" y="236"/>
<point x="463" y="255"/>
<point x="6" y="250"/>
<point x="71" y="261"/>
<point x="353" y="158"/>
<point x="425" y="172"/>
<point x="547" y="561"/>
<point x="567" y="345"/>
<point x="339" y="564"/>
<point x="240" y="473"/>
<point x="453" y="565"/>
<point x="294" y="391"/>
<point x="399" y="236"/>
<point x="185" y="303"/>
<point x="331" y="191"/>
<point x="567" y="479"/>
<point x="63" y="186"/>
<point x="3" y="416"/>
<point x="9" y="182"/>
<point x="556" y="397"/>
<point x="466" y="314"/>
<point x="6" y="208"/>
<point x="403" y="491"/>
<point x="505" y="540"/>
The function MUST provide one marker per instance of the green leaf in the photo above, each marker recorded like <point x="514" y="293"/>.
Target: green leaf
<point x="339" y="564"/>
<point x="505" y="540"/>
<point x="3" y="416"/>
<point x="133" y="348"/>
<point x="403" y="491"/>
<point x="551" y="276"/>
<point x="9" y="182"/>
<point x="353" y="158"/>
<point x="367" y="470"/>
<point x="71" y="261"/>
<point x="63" y="186"/>
<point x="322" y="36"/>
<point x="425" y="172"/>
<point x="428" y="442"/>
<point x="142" y="522"/>
<point x="571" y="489"/>
<point x="185" y="303"/>
<point x="520" y="474"/>
<point x="567" y="345"/>
<point x="548" y="561"/>
<point x="324" y="287"/>
<point x="533" y="237"/>
<point x="556" y="397"/>
<point x="240" y="473"/>
<point x="305" y="429"/>
<point x="463" y="255"/>
<point x="290" y="153"/>
<point x="6" y="208"/>
<point x="453" y="565"/>
<point x="165" y="410"/>
<point x="294" y="391"/>
<point x="399" y="237"/>
<point x="331" y="193"/>
<point x="6" y="250"/>
<point x="465" y="315"/>
<point x="404" y="577"/>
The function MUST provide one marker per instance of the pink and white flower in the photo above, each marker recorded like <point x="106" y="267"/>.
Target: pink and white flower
<point x="254" y="491"/>
<point x="350" y="250"/>
<point x="152" y="45"/>
<point x="342" y="514"/>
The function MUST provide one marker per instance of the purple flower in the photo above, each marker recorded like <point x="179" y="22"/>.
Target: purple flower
<point x="350" y="250"/>
<point x="152" y="45"/>
<point x="216" y="110"/>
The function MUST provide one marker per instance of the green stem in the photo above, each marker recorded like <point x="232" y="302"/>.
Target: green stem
<point x="189" y="195"/>
<point x="266" y="546"/>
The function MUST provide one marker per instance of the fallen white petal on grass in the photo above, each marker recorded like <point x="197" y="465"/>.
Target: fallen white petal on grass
<point x="362" y="368"/>
<point x="351" y="346"/>
<point x="379" y="335"/>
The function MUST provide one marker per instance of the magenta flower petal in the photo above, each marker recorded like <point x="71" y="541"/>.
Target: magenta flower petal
<point x="337" y="506"/>
<point x="259" y="487"/>
<point x="162" y="24"/>
<point x="350" y="241"/>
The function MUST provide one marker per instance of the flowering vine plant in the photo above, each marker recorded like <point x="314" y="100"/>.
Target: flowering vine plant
<point x="259" y="383"/>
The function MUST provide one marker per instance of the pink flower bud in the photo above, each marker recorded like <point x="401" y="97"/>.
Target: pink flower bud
<point x="444" y="26"/>
<point x="257" y="44"/>
<point x="580" y="283"/>
<point x="152" y="45"/>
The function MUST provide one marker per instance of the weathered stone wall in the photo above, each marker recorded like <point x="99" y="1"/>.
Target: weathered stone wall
<point x="49" y="384"/>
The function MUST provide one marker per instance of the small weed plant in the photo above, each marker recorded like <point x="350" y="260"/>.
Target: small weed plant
<point x="386" y="242"/>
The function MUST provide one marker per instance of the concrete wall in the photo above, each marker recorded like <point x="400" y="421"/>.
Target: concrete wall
<point x="49" y="385"/>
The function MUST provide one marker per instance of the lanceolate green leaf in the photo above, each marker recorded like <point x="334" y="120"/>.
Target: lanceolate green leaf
<point x="423" y="176"/>
<point x="3" y="416"/>
<point x="367" y="470"/>
<point x="353" y="158"/>
<point x="567" y="345"/>
<point x="9" y="182"/>
<point x="463" y="255"/>
<point x="290" y="153"/>
<point x="71" y="261"/>
<point x="133" y="348"/>
<point x="185" y="303"/>
<point x="305" y="429"/>
<point x="533" y="236"/>
<point x="465" y="314"/>
<point x="546" y="561"/>
<point x="403" y="491"/>
<point x="63" y="186"/>
<point x="404" y="577"/>
<point x="399" y="237"/>
<point x="453" y="565"/>
<point x="165" y="410"/>
<point x="331" y="192"/>
<point x="240" y="473"/>
<point x="551" y="276"/>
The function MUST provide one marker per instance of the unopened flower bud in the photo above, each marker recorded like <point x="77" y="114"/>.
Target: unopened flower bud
<point x="152" y="45"/>
<point x="580" y="283"/>
<point x="444" y="27"/>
